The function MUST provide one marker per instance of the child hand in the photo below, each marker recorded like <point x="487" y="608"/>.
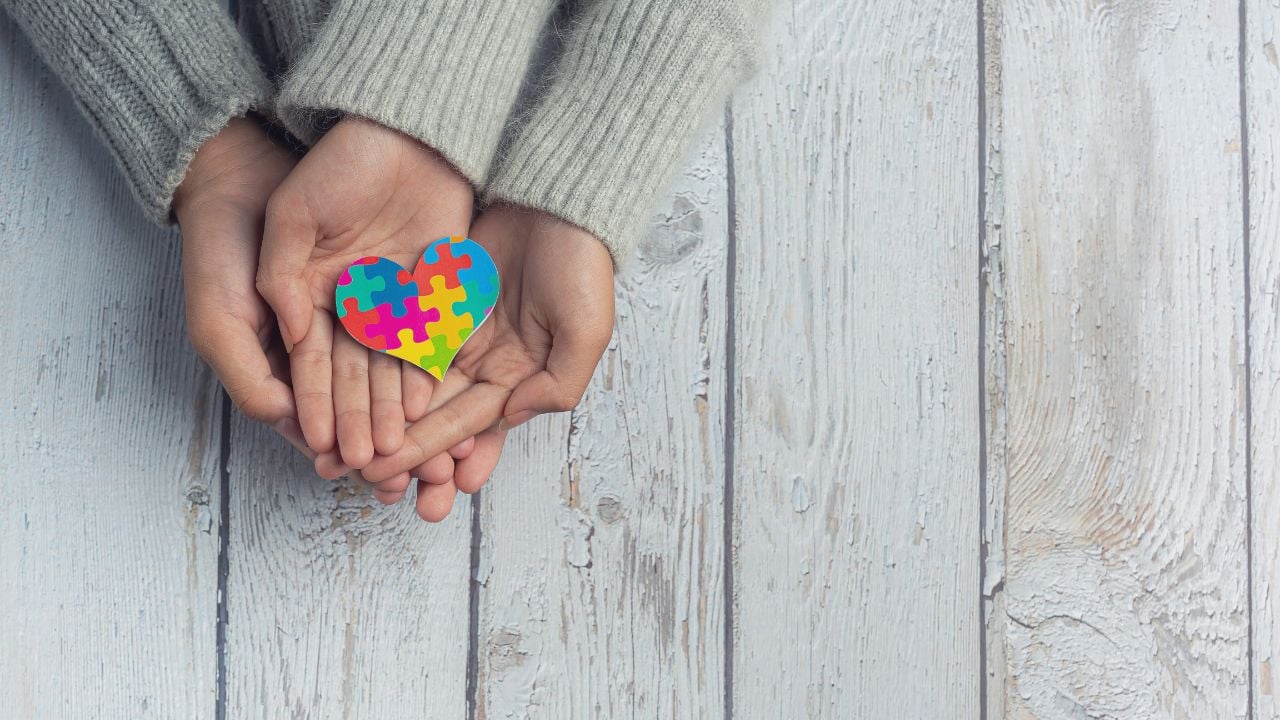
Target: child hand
<point x="364" y="189"/>
<point x="536" y="353"/>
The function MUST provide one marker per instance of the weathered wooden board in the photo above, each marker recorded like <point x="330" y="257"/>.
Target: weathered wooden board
<point x="1262" y="91"/>
<point x="108" y="438"/>
<point x="602" y="544"/>
<point x="994" y="356"/>
<point x="337" y="605"/>
<point x="856" y="438"/>
<point x="1123" y="393"/>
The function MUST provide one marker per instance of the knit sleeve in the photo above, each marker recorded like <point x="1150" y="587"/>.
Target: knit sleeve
<point x="446" y="72"/>
<point x="636" y="80"/>
<point x="156" y="78"/>
<point x="282" y="30"/>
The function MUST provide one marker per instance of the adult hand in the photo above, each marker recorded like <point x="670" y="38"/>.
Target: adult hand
<point x="364" y="189"/>
<point x="220" y="207"/>
<point x="536" y="352"/>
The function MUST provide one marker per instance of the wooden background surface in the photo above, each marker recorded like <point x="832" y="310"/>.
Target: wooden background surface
<point x="947" y="385"/>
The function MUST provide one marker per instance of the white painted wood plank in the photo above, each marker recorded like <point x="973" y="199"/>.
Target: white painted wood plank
<point x="1262" y="78"/>
<point x="108" y="496"/>
<point x="338" y="606"/>
<point x="857" y="439"/>
<point x="1123" y="442"/>
<point x="602" y="543"/>
<point x="994" y="369"/>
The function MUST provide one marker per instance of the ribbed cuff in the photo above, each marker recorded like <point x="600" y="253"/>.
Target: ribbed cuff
<point x="157" y="79"/>
<point x="282" y="30"/>
<point x="445" y="72"/>
<point x="636" y="80"/>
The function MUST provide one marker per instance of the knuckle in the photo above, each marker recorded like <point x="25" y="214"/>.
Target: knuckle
<point x="453" y="424"/>
<point x="415" y="449"/>
<point x="309" y="359"/>
<point x="566" y="401"/>
<point x="354" y="371"/>
<point x="307" y="396"/>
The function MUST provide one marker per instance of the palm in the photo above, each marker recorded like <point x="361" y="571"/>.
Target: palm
<point x="515" y="341"/>
<point x="364" y="190"/>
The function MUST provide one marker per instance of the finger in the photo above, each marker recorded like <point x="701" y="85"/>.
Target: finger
<point x="235" y="353"/>
<point x="417" y="387"/>
<point x="312" y="370"/>
<point x="351" y="401"/>
<point x="471" y="473"/>
<point x="386" y="403"/>
<point x="329" y="465"/>
<point x="435" y="501"/>
<point x="436" y="471"/>
<point x="475" y="409"/>
<point x="558" y="388"/>
<point x="332" y="464"/>
<point x="463" y="449"/>
<point x="290" y="430"/>
<point x="388" y="498"/>
<point x="288" y="238"/>
<point x="392" y="491"/>
<point x="452" y="386"/>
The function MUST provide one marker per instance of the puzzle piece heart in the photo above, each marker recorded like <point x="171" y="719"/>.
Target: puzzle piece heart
<point x="423" y="317"/>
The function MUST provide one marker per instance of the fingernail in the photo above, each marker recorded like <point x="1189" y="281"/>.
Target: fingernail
<point x="288" y="346"/>
<point x="516" y="419"/>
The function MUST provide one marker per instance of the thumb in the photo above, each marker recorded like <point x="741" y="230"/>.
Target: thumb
<point x="288" y="239"/>
<point x="558" y="388"/>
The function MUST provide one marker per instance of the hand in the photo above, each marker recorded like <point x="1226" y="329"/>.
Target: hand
<point x="220" y="207"/>
<point x="536" y="352"/>
<point x="364" y="189"/>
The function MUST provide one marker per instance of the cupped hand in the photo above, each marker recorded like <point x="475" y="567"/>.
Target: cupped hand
<point x="220" y="207"/>
<point x="535" y="353"/>
<point x="362" y="190"/>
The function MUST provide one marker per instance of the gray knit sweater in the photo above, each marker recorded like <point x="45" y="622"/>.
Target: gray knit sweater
<point x="608" y="124"/>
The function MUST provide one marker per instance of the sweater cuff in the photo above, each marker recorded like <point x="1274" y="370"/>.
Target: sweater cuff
<point x="444" y="72"/>
<point x="157" y="79"/>
<point x="637" y="80"/>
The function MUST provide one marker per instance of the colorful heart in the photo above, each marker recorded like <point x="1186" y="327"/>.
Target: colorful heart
<point x="425" y="317"/>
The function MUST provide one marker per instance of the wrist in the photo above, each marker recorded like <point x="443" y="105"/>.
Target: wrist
<point x="539" y="228"/>
<point x="410" y="151"/>
<point x="235" y="171"/>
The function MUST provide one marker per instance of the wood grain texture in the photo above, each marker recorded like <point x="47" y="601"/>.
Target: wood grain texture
<point x="1262" y="86"/>
<point x="1123" y="440"/>
<point x="108" y="501"/>
<point x="602" y="544"/>
<point x="337" y="605"/>
<point x="856" y="440"/>
<point x="995" y="472"/>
